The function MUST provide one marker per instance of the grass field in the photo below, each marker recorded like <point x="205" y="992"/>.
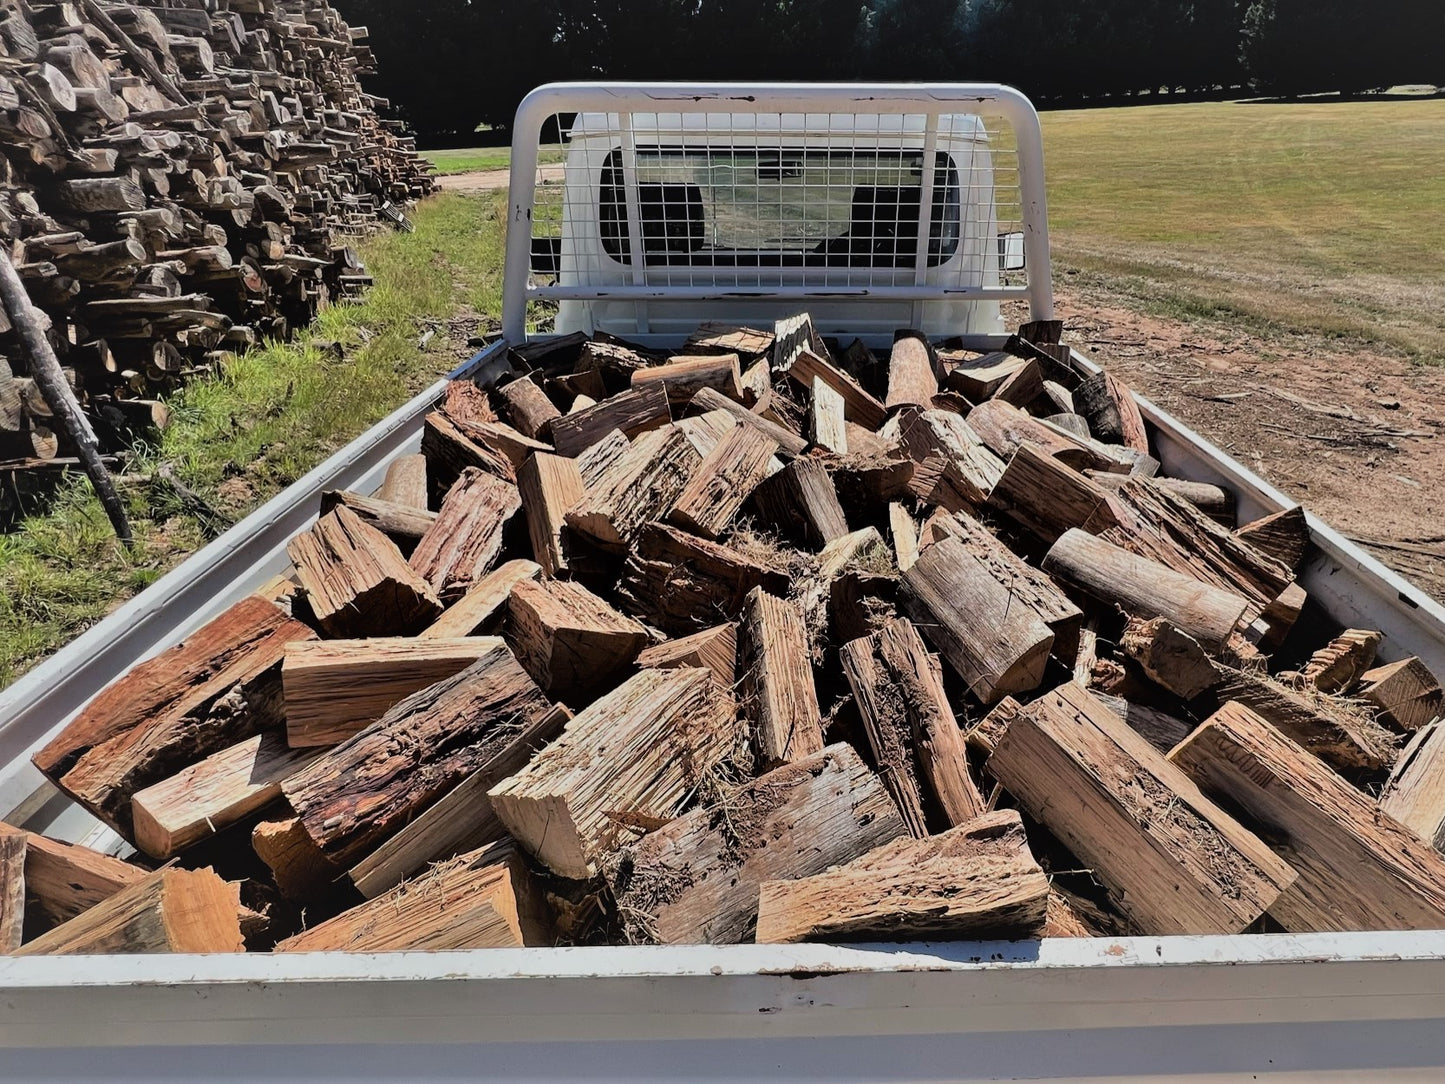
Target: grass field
<point x="1318" y="217"/>
<point x="241" y="437"/>
<point x="476" y="159"/>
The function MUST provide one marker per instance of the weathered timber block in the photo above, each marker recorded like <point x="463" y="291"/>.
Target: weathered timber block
<point x="359" y="794"/>
<point x="1214" y="501"/>
<point x="1415" y="792"/>
<point x="996" y="642"/>
<point x="1112" y="412"/>
<point x="779" y="696"/>
<point x="403" y="524"/>
<point x="1405" y="694"/>
<point x="637" y="411"/>
<point x="916" y="742"/>
<point x="789" y="442"/>
<point x="979" y="378"/>
<point x="1160" y="729"/>
<point x="449" y="451"/>
<point x="1339" y="665"/>
<point x="486" y="899"/>
<point x="172" y="910"/>
<point x="527" y="407"/>
<point x="683" y="377"/>
<point x="696" y="880"/>
<point x="337" y="688"/>
<point x="827" y="427"/>
<point x="1172" y="860"/>
<point x="1003" y="428"/>
<point x="802" y="501"/>
<point x="682" y="584"/>
<point x="213" y="794"/>
<point x="858" y="405"/>
<point x="1359" y="869"/>
<point x="628" y="761"/>
<point x="301" y="872"/>
<point x="466" y="539"/>
<point x="1145" y="588"/>
<point x="549" y="485"/>
<point x="12" y="891"/>
<point x="1047" y="498"/>
<point x="712" y="337"/>
<point x="461" y="821"/>
<point x="217" y="687"/>
<point x="976" y="881"/>
<point x="965" y="472"/>
<point x="63" y="880"/>
<point x="485" y="600"/>
<point x="1285" y="536"/>
<point x="723" y="481"/>
<point x="714" y="649"/>
<point x="639" y="487"/>
<point x="1172" y="658"/>
<point x="406" y="482"/>
<point x="912" y="378"/>
<point x="572" y="642"/>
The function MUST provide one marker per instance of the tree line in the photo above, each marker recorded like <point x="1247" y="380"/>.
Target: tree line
<point x="450" y="65"/>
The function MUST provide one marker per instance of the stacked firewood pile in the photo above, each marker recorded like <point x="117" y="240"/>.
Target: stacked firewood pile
<point x="179" y="180"/>
<point x="770" y="640"/>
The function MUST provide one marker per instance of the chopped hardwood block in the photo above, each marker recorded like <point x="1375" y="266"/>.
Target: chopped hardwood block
<point x="680" y="583"/>
<point x="905" y="536"/>
<point x="66" y="879"/>
<point x="466" y="540"/>
<point x="1339" y="665"/>
<point x="337" y="688"/>
<point x="1112" y="411"/>
<point x="791" y="336"/>
<point x="218" y="686"/>
<point x="461" y="821"/>
<point x="1415" y="792"/>
<point x="1172" y="658"/>
<point x="826" y="426"/>
<point x="633" y="412"/>
<point x="696" y="880"/>
<point x="628" y="761"/>
<point x="802" y="502"/>
<point x="705" y="431"/>
<point x="715" y="649"/>
<point x="912" y="379"/>
<point x="1359" y="868"/>
<point x="572" y="642"/>
<point x="549" y="485"/>
<point x="1160" y="729"/>
<point x="916" y="742"/>
<point x="449" y="451"/>
<point x="465" y="401"/>
<point x="527" y="407"/>
<point x="1285" y="536"/>
<point x="858" y="406"/>
<point x="401" y="523"/>
<point x="683" y="377"/>
<point x="1145" y="588"/>
<point x="1023" y="386"/>
<point x="966" y="470"/>
<point x="172" y="910"/>
<point x="996" y="641"/>
<point x="486" y="899"/>
<point x="979" y="378"/>
<point x="213" y="794"/>
<point x="297" y="865"/>
<point x="1172" y="860"/>
<point x="639" y="487"/>
<point x="778" y="692"/>
<point x="406" y="482"/>
<point x="712" y="337"/>
<point x="356" y="796"/>
<point x="789" y="443"/>
<point x="1003" y="428"/>
<point x="978" y="880"/>
<point x="357" y="581"/>
<point x="1405" y="694"/>
<point x="12" y="891"/>
<point x="860" y="603"/>
<point x="507" y="442"/>
<point x="1047" y="498"/>
<point x="1325" y="728"/>
<point x="723" y="482"/>
<point x="1215" y="502"/>
<point x="598" y="459"/>
<point x="487" y="597"/>
<point x="613" y="362"/>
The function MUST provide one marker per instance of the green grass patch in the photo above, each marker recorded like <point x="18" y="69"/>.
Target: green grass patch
<point x="1318" y="216"/>
<point x="241" y="436"/>
<point x="476" y="159"/>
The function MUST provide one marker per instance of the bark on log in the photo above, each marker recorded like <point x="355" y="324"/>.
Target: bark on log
<point x="549" y="485"/>
<point x="638" y="488"/>
<point x="683" y="377"/>
<point x="779" y="697"/>
<point x="465" y="541"/>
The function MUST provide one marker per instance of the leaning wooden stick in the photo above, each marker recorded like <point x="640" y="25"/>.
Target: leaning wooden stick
<point x="59" y="396"/>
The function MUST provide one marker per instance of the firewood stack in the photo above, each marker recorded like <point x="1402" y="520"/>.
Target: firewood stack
<point x="180" y="180"/>
<point x="774" y="640"/>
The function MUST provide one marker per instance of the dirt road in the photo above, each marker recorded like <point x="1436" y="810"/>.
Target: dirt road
<point x="489" y="180"/>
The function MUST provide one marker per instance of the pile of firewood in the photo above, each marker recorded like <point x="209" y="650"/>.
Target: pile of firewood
<point x="771" y="640"/>
<point x="179" y="180"/>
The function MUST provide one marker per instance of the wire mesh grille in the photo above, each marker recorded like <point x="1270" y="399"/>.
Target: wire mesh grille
<point x="753" y="201"/>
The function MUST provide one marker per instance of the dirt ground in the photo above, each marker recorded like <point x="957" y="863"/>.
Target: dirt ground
<point x="1358" y="438"/>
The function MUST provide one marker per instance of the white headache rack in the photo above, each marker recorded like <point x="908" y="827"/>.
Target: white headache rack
<point x="874" y="207"/>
